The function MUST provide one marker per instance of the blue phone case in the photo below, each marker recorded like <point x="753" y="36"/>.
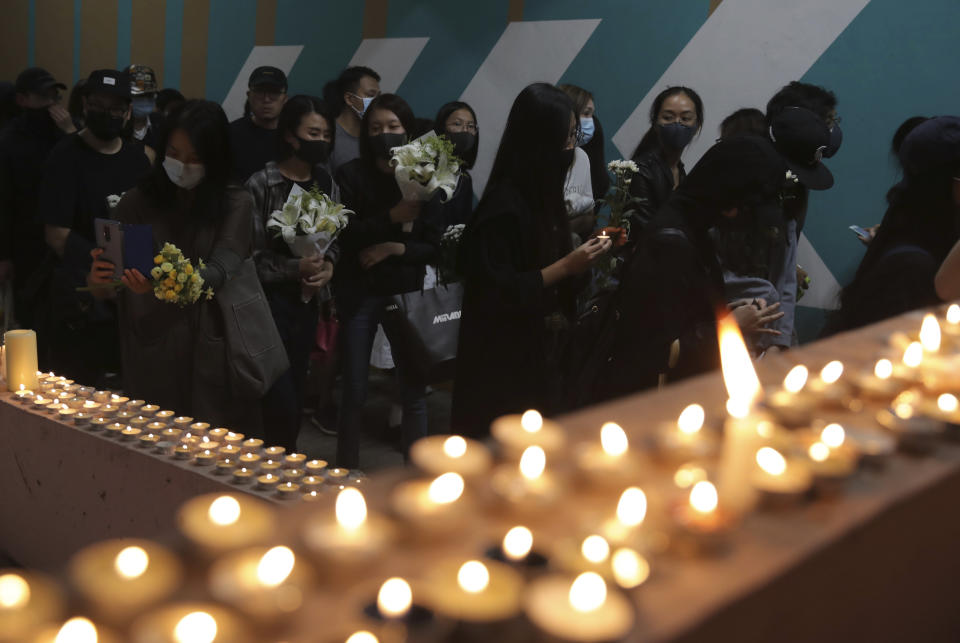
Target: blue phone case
<point x="138" y="247"/>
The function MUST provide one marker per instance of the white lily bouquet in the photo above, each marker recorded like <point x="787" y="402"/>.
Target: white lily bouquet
<point x="309" y="221"/>
<point x="424" y="166"/>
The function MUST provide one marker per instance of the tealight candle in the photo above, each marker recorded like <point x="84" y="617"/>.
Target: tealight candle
<point x="149" y="410"/>
<point x="183" y="452"/>
<point x="135" y="405"/>
<point x="98" y="423"/>
<point x="914" y="432"/>
<point x="222" y="522"/>
<point x="119" y="400"/>
<point x="829" y="388"/>
<point x="792" y="406"/>
<point x="294" y="460"/>
<point x="217" y="434"/>
<point x="515" y="433"/>
<point x="265" y="584"/>
<point x="527" y="485"/>
<point x="114" y="428"/>
<point x="252" y="445"/>
<point x="76" y="403"/>
<point x="129" y="433"/>
<point x="293" y="475"/>
<point x="336" y="476"/>
<point x="830" y="467"/>
<point x="243" y="475"/>
<point x="24" y="396"/>
<point x="225" y="466"/>
<point x="780" y="481"/>
<point x="394" y="605"/>
<point x="189" y="623"/>
<point x="205" y="457"/>
<point x="437" y="454"/>
<point x="199" y="428"/>
<point x="182" y="422"/>
<point x="686" y="439"/>
<point x="517" y="549"/>
<point x="63" y="397"/>
<point x="168" y="433"/>
<point x="109" y="410"/>
<point x="581" y="610"/>
<point x="701" y="522"/>
<point x="233" y="439"/>
<point x="67" y="414"/>
<point x="78" y="629"/>
<point x="352" y="535"/>
<point x="288" y="490"/>
<point x="609" y="463"/>
<point x="475" y="591"/>
<point x="51" y="407"/>
<point x="27" y="601"/>
<point x="249" y="459"/>
<point x="630" y="514"/>
<point x="268" y="482"/>
<point x="85" y="392"/>
<point x="879" y="384"/>
<point x="102" y="396"/>
<point x="274" y="453"/>
<point x="312" y="495"/>
<point x="316" y="467"/>
<point x="312" y="483"/>
<point x="91" y="407"/>
<point x="271" y="466"/>
<point x="431" y="505"/>
<point x="165" y="416"/>
<point x="120" y="577"/>
<point x="81" y="418"/>
<point x="149" y="440"/>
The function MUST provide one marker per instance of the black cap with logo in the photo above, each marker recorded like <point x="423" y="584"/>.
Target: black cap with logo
<point x="268" y="77"/>
<point x="802" y="137"/>
<point x="36" y="80"/>
<point x="108" y="81"/>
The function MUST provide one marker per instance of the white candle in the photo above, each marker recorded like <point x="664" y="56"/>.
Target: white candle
<point x="582" y="610"/>
<point x="21" y="359"/>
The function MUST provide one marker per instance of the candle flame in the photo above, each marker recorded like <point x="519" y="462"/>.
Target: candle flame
<point x="517" y="543"/>
<point x="196" y="627"/>
<point x="771" y="461"/>
<point x="363" y="637"/>
<point x="833" y="435"/>
<point x="831" y="372"/>
<point x="454" y="447"/>
<point x="703" y="497"/>
<point x="224" y="511"/>
<point x="913" y="355"/>
<point x="275" y="566"/>
<point x="14" y="591"/>
<point x="689" y="475"/>
<point x="930" y="333"/>
<point x="818" y="451"/>
<point x="595" y="549"/>
<point x="131" y="562"/>
<point x="613" y="439"/>
<point x="77" y="630"/>
<point x="351" y="508"/>
<point x="632" y="507"/>
<point x="884" y="369"/>
<point x="691" y="419"/>
<point x="948" y="403"/>
<point x="953" y="314"/>
<point x="533" y="462"/>
<point x="739" y="377"/>
<point x="630" y="569"/>
<point x="531" y="421"/>
<point x="473" y="577"/>
<point x="796" y="379"/>
<point x="588" y="592"/>
<point x="21" y="387"/>
<point x="394" y="598"/>
<point x="446" y="488"/>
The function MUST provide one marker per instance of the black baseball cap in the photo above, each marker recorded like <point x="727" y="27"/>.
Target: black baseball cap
<point x="36" y="79"/>
<point x="933" y="144"/>
<point x="801" y="137"/>
<point x="268" y="77"/>
<point x="108" y="81"/>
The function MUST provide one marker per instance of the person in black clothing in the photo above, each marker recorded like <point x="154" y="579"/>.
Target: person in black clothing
<point x="379" y="257"/>
<point x="24" y="146"/>
<point x="676" y="116"/>
<point x="253" y="137"/>
<point x="520" y="270"/>
<point x="897" y="274"/>
<point x="8" y="103"/>
<point x="81" y="172"/>
<point x="293" y="285"/>
<point x="672" y="289"/>
<point x="458" y="122"/>
<point x="748" y="121"/>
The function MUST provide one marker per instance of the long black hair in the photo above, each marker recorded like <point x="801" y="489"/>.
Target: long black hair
<point x="348" y="81"/>
<point x="440" y="126"/>
<point x="390" y="103"/>
<point x="206" y="125"/>
<point x="651" y="140"/>
<point x="530" y="160"/>
<point x="291" y="115"/>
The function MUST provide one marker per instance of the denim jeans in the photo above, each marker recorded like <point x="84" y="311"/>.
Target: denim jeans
<point x="358" y="327"/>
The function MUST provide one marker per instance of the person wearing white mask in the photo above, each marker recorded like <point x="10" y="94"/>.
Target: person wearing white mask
<point x="578" y="192"/>
<point x="349" y="95"/>
<point x="190" y="201"/>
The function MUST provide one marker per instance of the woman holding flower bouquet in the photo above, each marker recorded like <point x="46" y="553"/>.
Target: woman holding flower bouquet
<point x="383" y="251"/>
<point x="520" y="269"/>
<point x="294" y="284"/>
<point x="173" y="348"/>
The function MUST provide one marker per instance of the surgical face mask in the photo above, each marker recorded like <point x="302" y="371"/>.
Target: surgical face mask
<point x="836" y="140"/>
<point x="383" y="143"/>
<point x="676" y="136"/>
<point x="184" y="175"/>
<point x="313" y="152"/>
<point x="143" y="106"/>
<point x="366" y="105"/>
<point x="103" y="125"/>
<point x="463" y="142"/>
<point x="587" y="130"/>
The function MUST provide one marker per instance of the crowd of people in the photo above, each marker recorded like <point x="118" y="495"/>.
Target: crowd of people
<point x="537" y="329"/>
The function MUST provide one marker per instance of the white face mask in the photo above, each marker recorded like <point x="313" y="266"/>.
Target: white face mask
<point x="184" y="175"/>
<point x="366" y="103"/>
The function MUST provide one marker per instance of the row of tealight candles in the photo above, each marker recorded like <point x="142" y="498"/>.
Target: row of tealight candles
<point x="572" y="583"/>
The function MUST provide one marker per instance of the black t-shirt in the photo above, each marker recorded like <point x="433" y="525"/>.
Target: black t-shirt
<point x="252" y="145"/>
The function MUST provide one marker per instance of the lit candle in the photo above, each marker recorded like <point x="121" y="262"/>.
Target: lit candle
<point x="189" y="623"/>
<point x="293" y="475"/>
<point x="98" y="423"/>
<point x="271" y="466"/>
<point x="829" y="389"/>
<point x="316" y="467"/>
<point x="701" y="522"/>
<point x="517" y="549"/>
<point x="312" y="483"/>
<point x="85" y="392"/>
<point x="611" y="462"/>
<point x="135" y="405"/>
<point x="91" y="407"/>
<point x="114" y="428"/>
<point x="432" y="505"/>
<point x="225" y="466"/>
<point x="274" y="453"/>
<point x="199" y="428"/>
<point x="219" y="522"/>
<point x="630" y="569"/>
<point x="169" y="433"/>
<point x="792" y="406"/>
<point x="879" y="384"/>
<point x="515" y="433"/>
<point x="66" y="413"/>
<point x="20" y="359"/>
<point x="108" y="410"/>
<point x="686" y="439"/>
<point x="76" y="630"/>
<point x="438" y="454"/>
<point x="230" y="451"/>
<point x="102" y="396"/>
<point x="288" y="490"/>
<point x="780" y="481"/>
<point x="205" y="458"/>
<point x="914" y="432"/>
<point x="263" y="583"/>
<point x="582" y="610"/>
<point x="149" y="440"/>
<point x="183" y="452"/>
<point x="337" y="476"/>
<point x="218" y="434"/>
<point x="233" y="439"/>
<point x="82" y="419"/>
<point x="27" y="601"/>
<point x="120" y="577"/>
<point x="243" y="475"/>
<point x="252" y="446"/>
<point x="294" y="460"/>
<point x="475" y="591"/>
<point x="249" y="459"/>
<point x="24" y="396"/>
<point x="130" y="433"/>
<point x="631" y="512"/>
<point x="149" y="410"/>
<point x="268" y="482"/>
<point x="527" y="485"/>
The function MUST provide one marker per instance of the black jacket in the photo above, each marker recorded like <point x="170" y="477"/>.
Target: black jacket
<point x="370" y="194"/>
<point x="653" y="184"/>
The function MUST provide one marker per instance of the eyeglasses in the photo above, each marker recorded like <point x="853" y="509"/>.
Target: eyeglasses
<point x="460" y="126"/>
<point x="116" y="112"/>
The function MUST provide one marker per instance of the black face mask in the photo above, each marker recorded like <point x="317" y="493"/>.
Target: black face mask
<point x="463" y="142"/>
<point x="383" y="143"/>
<point x="38" y="119"/>
<point x="836" y="140"/>
<point x="103" y="125"/>
<point x="313" y="152"/>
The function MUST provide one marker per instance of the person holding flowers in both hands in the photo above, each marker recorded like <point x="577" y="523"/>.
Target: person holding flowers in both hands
<point x="520" y="269"/>
<point x="174" y="353"/>
<point x="383" y="251"/>
<point x="295" y="285"/>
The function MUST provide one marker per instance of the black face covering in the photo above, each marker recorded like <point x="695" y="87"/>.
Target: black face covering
<point x="103" y="125"/>
<point x="38" y="120"/>
<point x="463" y="142"/>
<point x="313" y="152"/>
<point x="383" y="143"/>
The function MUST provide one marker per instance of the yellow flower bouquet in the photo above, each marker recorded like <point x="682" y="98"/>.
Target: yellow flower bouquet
<point x="175" y="280"/>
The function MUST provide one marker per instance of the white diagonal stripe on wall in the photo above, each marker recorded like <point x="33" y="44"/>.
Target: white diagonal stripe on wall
<point x="282" y="57"/>
<point x="824" y="289"/>
<point x="527" y="52"/>
<point x="391" y="58"/>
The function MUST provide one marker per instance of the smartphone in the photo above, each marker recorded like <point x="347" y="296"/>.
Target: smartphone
<point x="110" y="237"/>
<point x="138" y="247"/>
<point x="860" y="232"/>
